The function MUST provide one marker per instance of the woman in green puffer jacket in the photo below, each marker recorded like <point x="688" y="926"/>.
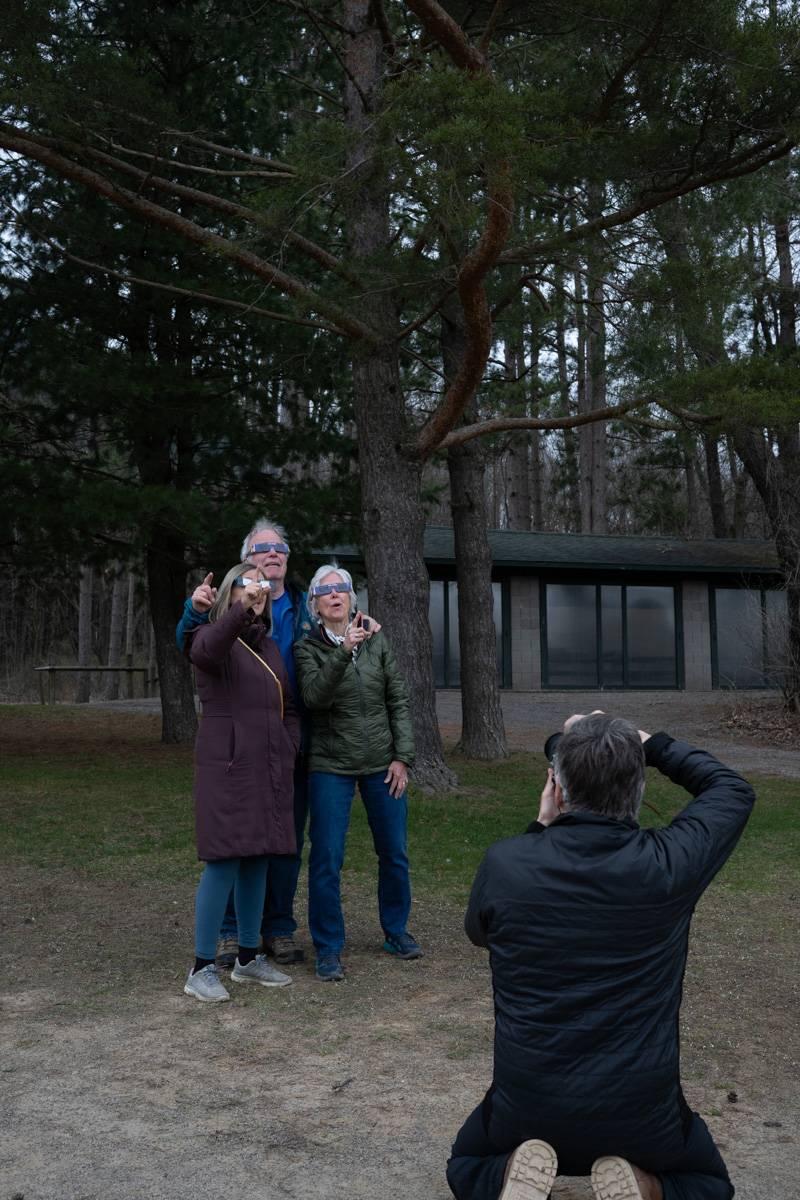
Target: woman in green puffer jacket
<point x="360" y="733"/>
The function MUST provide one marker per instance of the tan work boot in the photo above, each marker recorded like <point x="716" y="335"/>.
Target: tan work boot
<point x="615" y="1178"/>
<point x="530" y="1173"/>
<point x="227" y="949"/>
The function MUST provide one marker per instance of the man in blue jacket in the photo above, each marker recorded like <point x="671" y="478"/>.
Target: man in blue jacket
<point x="266" y="547"/>
<point x="586" y="918"/>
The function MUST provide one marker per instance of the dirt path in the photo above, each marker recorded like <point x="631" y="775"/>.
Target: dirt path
<point x="114" y="1084"/>
<point x="701" y="717"/>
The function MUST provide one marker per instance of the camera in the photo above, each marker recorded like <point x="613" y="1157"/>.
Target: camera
<point x="551" y="746"/>
<point x="365" y="622"/>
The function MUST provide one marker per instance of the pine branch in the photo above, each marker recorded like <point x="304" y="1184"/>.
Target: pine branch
<point x="207" y="200"/>
<point x="734" y="168"/>
<point x="440" y="26"/>
<point x="203" y="297"/>
<point x="479" y="261"/>
<point x="466" y="433"/>
<point x="491" y="24"/>
<point x="19" y="143"/>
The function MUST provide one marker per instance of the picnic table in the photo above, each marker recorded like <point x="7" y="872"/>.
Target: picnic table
<point x="51" y="677"/>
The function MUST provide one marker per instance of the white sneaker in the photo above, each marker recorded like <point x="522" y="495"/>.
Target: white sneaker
<point x="532" y="1171"/>
<point x="259" y="971"/>
<point x="205" y="985"/>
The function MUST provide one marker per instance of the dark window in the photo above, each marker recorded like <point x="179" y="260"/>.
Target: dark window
<point x="749" y="637"/>
<point x="651" y="637"/>
<point x="571" y="635"/>
<point x="443" y="616"/>
<point x="610" y="635"/>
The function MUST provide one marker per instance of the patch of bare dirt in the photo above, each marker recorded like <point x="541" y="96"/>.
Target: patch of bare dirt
<point x="762" y="721"/>
<point x="116" y="1084"/>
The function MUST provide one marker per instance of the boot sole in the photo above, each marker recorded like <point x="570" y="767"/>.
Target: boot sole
<point x="613" y="1179"/>
<point x="533" y="1170"/>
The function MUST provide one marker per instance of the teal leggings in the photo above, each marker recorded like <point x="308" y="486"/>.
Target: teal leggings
<point x="248" y="878"/>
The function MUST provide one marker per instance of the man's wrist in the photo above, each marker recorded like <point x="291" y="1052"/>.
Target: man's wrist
<point x="654" y="745"/>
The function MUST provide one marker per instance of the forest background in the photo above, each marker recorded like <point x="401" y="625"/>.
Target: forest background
<point x="364" y="264"/>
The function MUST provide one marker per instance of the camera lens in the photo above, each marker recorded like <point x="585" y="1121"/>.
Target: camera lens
<point x="551" y="745"/>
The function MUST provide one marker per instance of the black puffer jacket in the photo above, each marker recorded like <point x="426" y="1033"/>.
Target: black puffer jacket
<point x="587" y="923"/>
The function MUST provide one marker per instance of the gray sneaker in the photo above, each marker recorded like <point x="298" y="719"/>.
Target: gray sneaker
<point x="259" y="971"/>
<point x="205" y="985"/>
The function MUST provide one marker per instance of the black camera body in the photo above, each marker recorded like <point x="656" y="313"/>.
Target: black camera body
<point x="551" y="746"/>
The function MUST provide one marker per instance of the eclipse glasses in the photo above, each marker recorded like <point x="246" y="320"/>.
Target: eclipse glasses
<point x="240" y="581"/>
<point x="265" y="547"/>
<point x="325" y="589"/>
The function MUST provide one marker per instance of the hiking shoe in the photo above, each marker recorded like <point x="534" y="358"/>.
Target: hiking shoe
<point x="205" y="985"/>
<point x="284" y="949"/>
<point x="614" y="1178"/>
<point x="329" y="968"/>
<point x="259" y="971"/>
<point x="227" y="949"/>
<point x="531" y="1172"/>
<point x="402" y="945"/>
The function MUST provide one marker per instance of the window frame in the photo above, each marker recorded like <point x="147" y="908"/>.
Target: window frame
<point x="626" y="685"/>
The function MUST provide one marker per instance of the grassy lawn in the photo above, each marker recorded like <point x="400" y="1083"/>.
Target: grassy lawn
<point x="95" y="791"/>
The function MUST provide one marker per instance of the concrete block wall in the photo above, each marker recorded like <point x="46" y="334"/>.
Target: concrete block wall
<point x="526" y="654"/>
<point x="696" y="636"/>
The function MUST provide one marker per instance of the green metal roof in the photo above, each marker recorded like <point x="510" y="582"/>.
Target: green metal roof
<point x="592" y="552"/>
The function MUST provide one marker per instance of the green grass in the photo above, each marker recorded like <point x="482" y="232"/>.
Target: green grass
<point x="95" y="791"/>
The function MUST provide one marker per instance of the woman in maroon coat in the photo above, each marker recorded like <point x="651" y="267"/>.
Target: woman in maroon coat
<point x="244" y="774"/>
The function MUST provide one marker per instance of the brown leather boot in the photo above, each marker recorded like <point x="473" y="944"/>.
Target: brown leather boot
<point x="615" y="1178"/>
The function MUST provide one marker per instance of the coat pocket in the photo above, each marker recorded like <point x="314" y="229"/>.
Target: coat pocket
<point x="231" y="748"/>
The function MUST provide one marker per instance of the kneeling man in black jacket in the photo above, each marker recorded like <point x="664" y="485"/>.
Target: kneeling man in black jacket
<point x="586" y="918"/>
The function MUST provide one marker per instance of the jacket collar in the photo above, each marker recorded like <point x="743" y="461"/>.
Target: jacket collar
<point x="588" y="818"/>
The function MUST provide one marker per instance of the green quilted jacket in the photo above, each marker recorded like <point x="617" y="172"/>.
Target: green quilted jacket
<point x="359" y="709"/>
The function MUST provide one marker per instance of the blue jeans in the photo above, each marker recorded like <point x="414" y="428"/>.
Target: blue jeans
<point x="475" y="1169"/>
<point x="247" y="877"/>
<point x="330" y="798"/>
<point x="283" y="871"/>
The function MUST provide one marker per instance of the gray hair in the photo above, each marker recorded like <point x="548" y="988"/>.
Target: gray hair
<point x="263" y="523"/>
<point x="319" y="575"/>
<point x="223" y="600"/>
<point x="600" y="763"/>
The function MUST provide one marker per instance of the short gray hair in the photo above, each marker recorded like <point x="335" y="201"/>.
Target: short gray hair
<point x="263" y="523"/>
<point x="319" y="575"/>
<point x="600" y="764"/>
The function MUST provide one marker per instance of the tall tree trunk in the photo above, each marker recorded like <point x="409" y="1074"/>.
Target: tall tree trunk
<point x="482" y="730"/>
<point x="115" y="630"/>
<point x="739" y="481"/>
<point x="716" y="496"/>
<point x="130" y="622"/>
<point x="594" y="467"/>
<point x="570" y="461"/>
<point x="775" y="476"/>
<point x="537" y="465"/>
<point x="518" y="492"/>
<point x="84" y="688"/>
<point x="391" y="507"/>
<point x="692" y="499"/>
<point x="166" y="586"/>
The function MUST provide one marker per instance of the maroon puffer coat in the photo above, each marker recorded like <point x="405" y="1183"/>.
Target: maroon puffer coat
<point x="245" y="752"/>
